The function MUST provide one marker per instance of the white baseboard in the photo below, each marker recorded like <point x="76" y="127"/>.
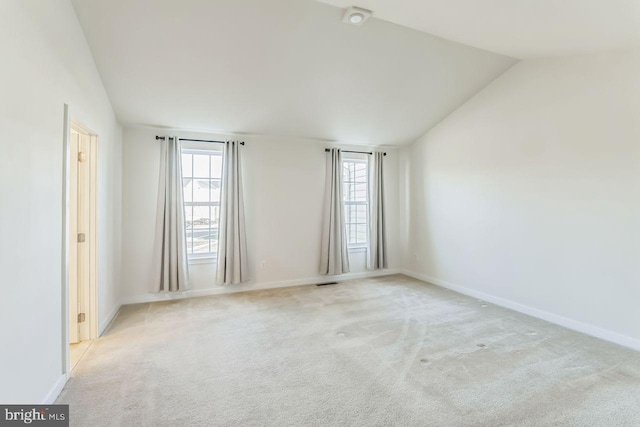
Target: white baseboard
<point x="575" y="325"/>
<point x="218" y="290"/>
<point x="104" y="324"/>
<point x="55" y="390"/>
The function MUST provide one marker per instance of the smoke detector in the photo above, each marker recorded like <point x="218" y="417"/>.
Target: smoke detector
<point x="356" y="15"/>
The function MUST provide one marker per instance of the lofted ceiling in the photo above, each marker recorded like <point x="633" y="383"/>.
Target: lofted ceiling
<point x="518" y="28"/>
<point x="278" y="67"/>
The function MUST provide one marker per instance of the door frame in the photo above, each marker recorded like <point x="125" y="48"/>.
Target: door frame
<point x="71" y="122"/>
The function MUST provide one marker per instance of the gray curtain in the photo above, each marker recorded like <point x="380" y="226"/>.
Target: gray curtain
<point x="333" y="257"/>
<point x="232" y="245"/>
<point x="170" y="267"/>
<point x="377" y="249"/>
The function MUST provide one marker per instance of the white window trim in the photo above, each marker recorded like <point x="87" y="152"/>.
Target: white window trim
<point x="195" y="148"/>
<point x="358" y="247"/>
<point x="202" y="259"/>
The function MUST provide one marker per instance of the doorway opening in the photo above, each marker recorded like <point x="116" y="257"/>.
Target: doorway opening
<point x="82" y="216"/>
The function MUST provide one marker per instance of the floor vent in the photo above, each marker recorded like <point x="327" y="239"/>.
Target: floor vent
<point x="326" y="284"/>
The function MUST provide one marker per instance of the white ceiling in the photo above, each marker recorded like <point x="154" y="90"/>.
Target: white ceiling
<point x="518" y="28"/>
<point x="278" y="67"/>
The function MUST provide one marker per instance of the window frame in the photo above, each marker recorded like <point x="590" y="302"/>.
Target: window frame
<point x="362" y="159"/>
<point x="208" y="149"/>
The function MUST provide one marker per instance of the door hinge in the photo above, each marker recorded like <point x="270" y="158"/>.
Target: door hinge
<point x="81" y="237"/>
<point x="82" y="156"/>
<point x="81" y="317"/>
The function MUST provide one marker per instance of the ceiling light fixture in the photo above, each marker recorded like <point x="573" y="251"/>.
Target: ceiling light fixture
<point x="356" y="15"/>
<point x="356" y="18"/>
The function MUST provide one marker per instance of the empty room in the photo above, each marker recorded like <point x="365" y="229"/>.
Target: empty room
<point x="320" y="213"/>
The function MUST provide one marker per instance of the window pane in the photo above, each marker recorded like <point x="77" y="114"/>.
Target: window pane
<point x="361" y="236"/>
<point x="201" y="165"/>
<point x="187" y="189"/>
<point x="359" y="192"/>
<point x="361" y="215"/>
<point x="186" y="165"/>
<point x="215" y="190"/>
<point x="202" y="170"/>
<point x="345" y="172"/>
<point x="216" y="166"/>
<point x="215" y="216"/>
<point x="355" y="195"/>
<point x="200" y="229"/>
<point x="201" y="190"/>
<point x="348" y="214"/>
<point x="209" y="224"/>
<point x="188" y="216"/>
<point x="213" y="231"/>
<point x="188" y="219"/>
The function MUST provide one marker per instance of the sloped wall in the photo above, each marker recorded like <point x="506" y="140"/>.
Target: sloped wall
<point x="529" y="194"/>
<point x="48" y="63"/>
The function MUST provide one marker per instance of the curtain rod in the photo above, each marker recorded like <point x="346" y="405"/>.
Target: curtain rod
<point x="359" y="152"/>
<point x="197" y="140"/>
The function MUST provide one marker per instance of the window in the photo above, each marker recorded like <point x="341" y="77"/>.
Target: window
<point x="201" y="178"/>
<point x="356" y="201"/>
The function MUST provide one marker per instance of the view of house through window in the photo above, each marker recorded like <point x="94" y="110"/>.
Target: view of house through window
<point x="201" y="176"/>
<point x="356" y="203"/>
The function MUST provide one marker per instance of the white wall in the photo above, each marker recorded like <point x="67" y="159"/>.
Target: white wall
<point x="530" y="192"/>
<point x="46" y="63"/>
<point x="284" y="190"/>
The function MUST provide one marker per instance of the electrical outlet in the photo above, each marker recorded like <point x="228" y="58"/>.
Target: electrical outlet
<point x="415" y="257"/>
<point x="263" y="265"/>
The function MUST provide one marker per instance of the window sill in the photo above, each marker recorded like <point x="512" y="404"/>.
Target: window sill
<point x="356" y="249"/>
<point x="203" y="260"/>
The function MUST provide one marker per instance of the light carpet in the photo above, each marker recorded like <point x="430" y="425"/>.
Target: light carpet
<point x="387" y="351"/>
